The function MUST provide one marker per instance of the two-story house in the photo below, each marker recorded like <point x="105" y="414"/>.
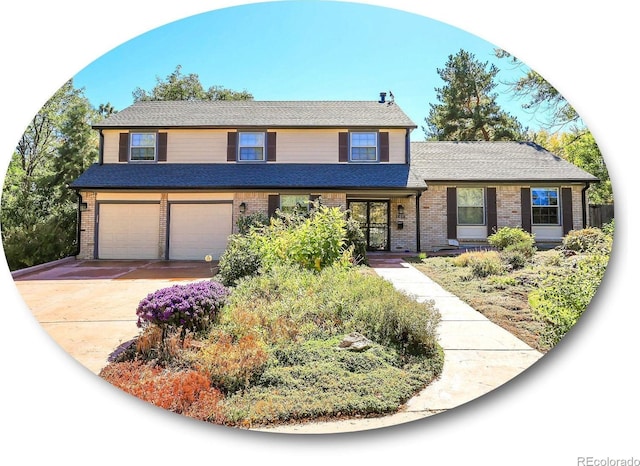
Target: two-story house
<point x="173" y="178"/>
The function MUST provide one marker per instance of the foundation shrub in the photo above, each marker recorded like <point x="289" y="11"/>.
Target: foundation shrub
<point x="587" y="240"/>
<point x="509" y="236"/>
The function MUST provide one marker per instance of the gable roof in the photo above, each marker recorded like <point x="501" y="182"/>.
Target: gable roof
<point x="247" y="176"/>
<point x="491" y="161"/>
<point x="252" y="113"/>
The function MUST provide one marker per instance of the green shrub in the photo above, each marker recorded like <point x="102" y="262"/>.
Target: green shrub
<point x="588" y="239"/>
<point x="248" y="222"/>
<point x="312" y="242"/>
<point x="240" y="259"/>
<point x="517" y="255"/>
<point x="481" y="263"/>
<point x="561" y="300"/>
<point x="509" y="236"/>
<point x="609" y="228"/>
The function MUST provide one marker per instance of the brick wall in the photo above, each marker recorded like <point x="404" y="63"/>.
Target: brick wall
<point x="87" y="226"/>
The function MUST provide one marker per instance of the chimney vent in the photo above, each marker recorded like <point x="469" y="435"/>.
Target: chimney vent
<point x="383" y="96"/>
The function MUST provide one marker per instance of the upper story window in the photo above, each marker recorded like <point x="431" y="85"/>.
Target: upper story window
<point x="545" y="208"/>
<point x="142" y="147"/>
<point x="470" y="206"/>
<point x="251" y="146"/>
<point x="364" y="146"/>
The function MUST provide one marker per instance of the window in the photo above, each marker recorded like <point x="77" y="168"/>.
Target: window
<point x="251" y="146"/>
<point x="364" y="147"/>
<point x="545" y="206"/>
<point x="470" y="206"/>
<point x="143" y="147"/>
<point x="291" y="202"/>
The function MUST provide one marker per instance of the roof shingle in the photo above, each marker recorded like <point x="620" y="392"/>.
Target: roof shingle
<point x="491" y="161"/>
<point x="248" y="113"/>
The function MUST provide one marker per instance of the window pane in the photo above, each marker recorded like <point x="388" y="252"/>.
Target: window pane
<point x="363" y="153"/>
<point x="143" y="153"/>
<point x="291" y="202"/>
<point x="251" y="153"/>
<point x="143" y="139"/>
<point x="545" y="216"/>
<point x="252" y="139"/>
<point x="363" y="139"/>
<point x="544" y="196"/>
<point x="470" y="197"/>
<point x="470" y="216"/>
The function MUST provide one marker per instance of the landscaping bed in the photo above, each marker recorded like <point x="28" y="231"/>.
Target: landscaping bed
<point x="291" y="329"/>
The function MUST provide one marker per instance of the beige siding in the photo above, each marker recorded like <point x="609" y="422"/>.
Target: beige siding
<point x="111" y="145"/>
<point x="293" y="145"/>
<point x="310" y="146"/>
<point x="197" y="146"/>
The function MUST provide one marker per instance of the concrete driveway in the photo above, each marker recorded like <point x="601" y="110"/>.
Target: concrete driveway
<point x="89" y="307"/>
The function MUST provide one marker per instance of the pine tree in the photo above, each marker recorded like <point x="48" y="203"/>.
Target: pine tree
<point x="468" y="110"/>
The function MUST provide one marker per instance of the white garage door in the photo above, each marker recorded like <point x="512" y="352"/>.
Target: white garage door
<point x="198" y="230"/>
<point x="128" y="231"/>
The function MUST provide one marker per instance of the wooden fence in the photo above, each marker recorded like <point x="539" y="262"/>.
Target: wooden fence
<point x="600" y="214"/>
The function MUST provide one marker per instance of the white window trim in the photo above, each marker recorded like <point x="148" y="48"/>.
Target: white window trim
<point x="377" y="146"/>
<point x="557" y="206"/>
<point x="263" y="146"/>
<point x="484" y="207"/>
<point x="155" y="147"/>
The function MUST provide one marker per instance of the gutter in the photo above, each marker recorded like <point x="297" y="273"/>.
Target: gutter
<point x="78" y="223"/>
<point x="584" y="204"/>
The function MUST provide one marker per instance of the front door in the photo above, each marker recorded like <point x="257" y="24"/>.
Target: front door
<point x="373" y="217"/>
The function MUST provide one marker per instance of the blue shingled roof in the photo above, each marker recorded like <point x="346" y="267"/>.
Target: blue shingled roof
<point x="247" y="176"/>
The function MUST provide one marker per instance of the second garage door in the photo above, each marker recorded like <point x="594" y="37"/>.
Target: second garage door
<point x="198" y="230"/>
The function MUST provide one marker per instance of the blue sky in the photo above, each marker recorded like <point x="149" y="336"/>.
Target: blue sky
<point x="311" y="50"/>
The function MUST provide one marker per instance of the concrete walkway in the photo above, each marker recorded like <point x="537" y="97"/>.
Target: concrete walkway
<point x="479" y="356"/>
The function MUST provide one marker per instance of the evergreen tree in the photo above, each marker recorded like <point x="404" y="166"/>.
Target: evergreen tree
<point x="468" y="110"/>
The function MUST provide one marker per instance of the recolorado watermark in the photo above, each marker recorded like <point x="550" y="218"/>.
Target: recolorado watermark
<point x="593" y="461"/>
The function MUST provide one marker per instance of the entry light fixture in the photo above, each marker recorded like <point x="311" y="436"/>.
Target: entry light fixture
<point x="243" y="207"/>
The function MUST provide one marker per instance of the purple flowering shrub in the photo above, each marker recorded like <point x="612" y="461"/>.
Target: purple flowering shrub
<point x="189" y="307"/>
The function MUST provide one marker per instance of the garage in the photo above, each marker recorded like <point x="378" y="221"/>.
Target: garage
<point x="199" y="229"/>
<point x="129" y="230"/>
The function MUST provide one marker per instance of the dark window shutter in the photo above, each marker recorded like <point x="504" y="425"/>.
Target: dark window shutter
<point x="567" y="211"/>
<point x="525" y="200"/>
<point x="384" y="147"/>
<point x="232" y="144"/>
<point x="274" y="204"/>
<point x="271" y="147"/>
<point x="123" y="149"/>
<point x="452" y="213"/>
<point x="162" y="147"/>
<point x="492" y="211"/>
<point x="343" y="147"/>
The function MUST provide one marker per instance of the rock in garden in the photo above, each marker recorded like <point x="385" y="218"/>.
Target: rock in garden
<point x="355" y="342"/>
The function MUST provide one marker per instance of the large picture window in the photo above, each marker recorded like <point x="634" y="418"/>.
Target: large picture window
<point x="143" y="147"/>
<point x="470" y="206"/>
<point x="364" y="147"/>
<point x="251" y="146"/>
<point x="294" y="202"/>
<point x="544" y="206"/>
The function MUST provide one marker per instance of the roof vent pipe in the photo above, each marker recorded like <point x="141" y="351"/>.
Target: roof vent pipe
<point x="383" y="96"/>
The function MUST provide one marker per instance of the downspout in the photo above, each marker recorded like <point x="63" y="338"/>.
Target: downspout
<point x="418" y="194"/>
<point x="101" y="148"/>
<point x="584" y="204"/>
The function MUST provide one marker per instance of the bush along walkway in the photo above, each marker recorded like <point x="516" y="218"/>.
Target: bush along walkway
<point x="480" y="356"/>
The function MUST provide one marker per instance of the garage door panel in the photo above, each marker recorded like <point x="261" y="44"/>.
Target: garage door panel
<point x="197" y="230"/>
<point x="128" y="231"/>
